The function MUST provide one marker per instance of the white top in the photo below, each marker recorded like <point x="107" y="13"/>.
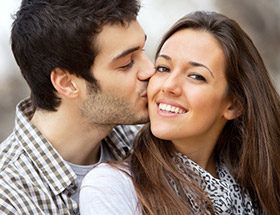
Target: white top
<point x="107" y="190"/>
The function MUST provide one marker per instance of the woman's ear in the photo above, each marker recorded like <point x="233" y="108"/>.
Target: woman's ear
<point x="233" y="110"/>
<point x="64" y="83"/>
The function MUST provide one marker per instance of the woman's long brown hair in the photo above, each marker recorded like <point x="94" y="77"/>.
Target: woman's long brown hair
<point x="249" y="145"/>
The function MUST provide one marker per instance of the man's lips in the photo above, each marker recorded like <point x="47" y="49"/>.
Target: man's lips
<point x="144" y="94"/>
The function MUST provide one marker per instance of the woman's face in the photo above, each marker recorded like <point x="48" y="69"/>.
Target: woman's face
<point x="188" y="93"/>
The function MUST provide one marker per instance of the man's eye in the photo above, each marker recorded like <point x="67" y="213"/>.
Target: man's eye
<point x="127" y="66"/>
<point x="197" y="77"/>
<point x="162" y="69"/>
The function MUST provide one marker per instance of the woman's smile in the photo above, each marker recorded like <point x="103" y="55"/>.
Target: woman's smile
<point x="169" y="108"/>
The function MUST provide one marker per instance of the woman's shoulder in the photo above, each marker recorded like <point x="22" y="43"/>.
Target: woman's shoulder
<point x="108" y="174"/>
<point x="108" y="189"/>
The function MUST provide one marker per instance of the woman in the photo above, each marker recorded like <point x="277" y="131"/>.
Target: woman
<point x="213" y="143"/>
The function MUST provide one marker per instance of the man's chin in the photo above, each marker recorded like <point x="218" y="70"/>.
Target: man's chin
<point x="138" y="120"/>
<point x="143" y="120"/>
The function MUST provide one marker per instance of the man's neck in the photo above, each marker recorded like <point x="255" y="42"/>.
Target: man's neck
<point x="73" y="137"/>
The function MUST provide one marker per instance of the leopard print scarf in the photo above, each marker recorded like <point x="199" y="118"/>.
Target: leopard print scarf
<point x="227" y="197"/>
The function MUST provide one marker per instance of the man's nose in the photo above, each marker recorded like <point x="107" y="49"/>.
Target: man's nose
<point x="146" y="68"/>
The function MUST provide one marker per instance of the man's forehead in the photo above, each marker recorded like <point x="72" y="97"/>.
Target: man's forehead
<point x="119" y="40"/>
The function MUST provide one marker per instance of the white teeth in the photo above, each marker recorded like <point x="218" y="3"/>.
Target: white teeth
<point x="170" y="108"/>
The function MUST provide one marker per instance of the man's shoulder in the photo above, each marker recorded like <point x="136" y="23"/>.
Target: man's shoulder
<point x="16" y="183"/>
<point x="14" y="166"/>
<point x="18" y="195"/>
<point x="120" y="140"/>
<point x="23" y="190"/>
<point x="124" y="134"/>
<point x="14" y="189"/>
<point x="25" y="187"/>
<point x="129" y="131"/>
<point x="10" y="150"/>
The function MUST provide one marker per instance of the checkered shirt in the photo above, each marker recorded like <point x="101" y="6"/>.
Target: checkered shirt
<point x="34" y="179"/>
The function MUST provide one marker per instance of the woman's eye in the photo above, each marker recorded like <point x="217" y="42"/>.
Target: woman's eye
<point x="197" y="77"/>
<point x="162" y="69"/>
<point x="128" y="66"/>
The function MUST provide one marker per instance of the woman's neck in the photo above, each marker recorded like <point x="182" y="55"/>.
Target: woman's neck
<point x="200" y="153"/>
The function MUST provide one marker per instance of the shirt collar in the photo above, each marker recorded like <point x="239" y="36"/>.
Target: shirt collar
<point x="49" y="163"/>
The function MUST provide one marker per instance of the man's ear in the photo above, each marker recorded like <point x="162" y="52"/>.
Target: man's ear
<point x="233" y="110"/>
<point x="64" y="83"/>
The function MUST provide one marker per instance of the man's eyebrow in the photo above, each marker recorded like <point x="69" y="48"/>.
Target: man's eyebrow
<point x="128" y="51"/>
<point x="191" y="63"/>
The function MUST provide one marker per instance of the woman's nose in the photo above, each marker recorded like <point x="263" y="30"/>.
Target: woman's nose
<point x="172" y="85"/>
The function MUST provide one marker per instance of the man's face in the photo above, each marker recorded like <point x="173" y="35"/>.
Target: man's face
<point x="122" y="70"/>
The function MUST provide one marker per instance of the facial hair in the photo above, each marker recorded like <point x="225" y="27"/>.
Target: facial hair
<point x="101" y="108"/>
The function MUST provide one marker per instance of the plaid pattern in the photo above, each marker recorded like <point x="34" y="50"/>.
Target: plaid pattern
<point x="34" y="179"/>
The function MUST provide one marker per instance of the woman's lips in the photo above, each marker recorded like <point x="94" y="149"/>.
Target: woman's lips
<point x="170" y="108"/>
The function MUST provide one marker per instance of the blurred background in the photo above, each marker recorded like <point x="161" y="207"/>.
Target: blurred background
<point x="259" y="18"/>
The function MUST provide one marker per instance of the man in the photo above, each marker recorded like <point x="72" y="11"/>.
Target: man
<point x="84" y="63"/>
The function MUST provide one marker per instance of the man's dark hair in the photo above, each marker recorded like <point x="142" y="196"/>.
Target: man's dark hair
<point x="49" y="34"/>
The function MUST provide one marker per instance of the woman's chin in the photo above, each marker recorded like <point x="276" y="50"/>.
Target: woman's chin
<point x="161" y="133"/>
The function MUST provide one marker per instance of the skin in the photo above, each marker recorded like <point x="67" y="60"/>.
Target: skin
<point x="121" y="97"/>
<point x="190" y="74"/>
<point x="86" y="115"/>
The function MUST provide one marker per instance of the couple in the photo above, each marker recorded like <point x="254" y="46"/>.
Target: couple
<point x="213" y="142"/>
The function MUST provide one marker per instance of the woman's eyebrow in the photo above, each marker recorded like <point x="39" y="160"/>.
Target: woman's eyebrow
<point x="193" y="63"/>
<point x="164" y="56"/>
<point x="196" y="64"/>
